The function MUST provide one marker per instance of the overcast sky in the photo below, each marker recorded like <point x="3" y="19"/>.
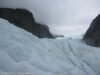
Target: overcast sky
<point x="68" y="17"/>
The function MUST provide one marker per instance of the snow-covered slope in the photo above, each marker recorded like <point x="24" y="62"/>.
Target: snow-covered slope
<point x="21" y="53"/>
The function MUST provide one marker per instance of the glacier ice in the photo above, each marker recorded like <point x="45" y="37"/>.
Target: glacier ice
<point x="22" y="53"/>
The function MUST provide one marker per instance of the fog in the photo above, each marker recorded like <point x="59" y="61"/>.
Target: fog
<point x="66" y="17"/>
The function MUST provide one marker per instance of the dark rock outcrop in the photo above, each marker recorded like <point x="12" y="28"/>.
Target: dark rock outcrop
<point x="24" y="19"/>
<point x="92" y="36"/>
<point x="58" y="36"/>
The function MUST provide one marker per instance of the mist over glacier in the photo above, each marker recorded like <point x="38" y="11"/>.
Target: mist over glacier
<point x="63" y="16"/>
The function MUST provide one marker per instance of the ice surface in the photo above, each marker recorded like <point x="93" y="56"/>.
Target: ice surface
<point x="22" y="53"/>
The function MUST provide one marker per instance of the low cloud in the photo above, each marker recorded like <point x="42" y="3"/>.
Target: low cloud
<point x="59" y="13"/>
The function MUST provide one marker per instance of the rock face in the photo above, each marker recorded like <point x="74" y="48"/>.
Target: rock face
<point x="92" y="36"/>
<point x="24" y="19"/>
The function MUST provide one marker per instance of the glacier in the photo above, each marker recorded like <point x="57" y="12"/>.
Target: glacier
<point x="22" y="53"/>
